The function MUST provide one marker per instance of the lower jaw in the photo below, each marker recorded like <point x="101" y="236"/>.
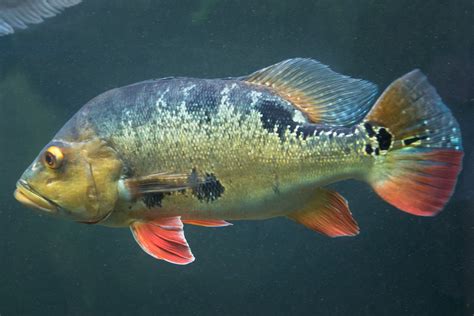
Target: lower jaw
<point x="33" y="200"/>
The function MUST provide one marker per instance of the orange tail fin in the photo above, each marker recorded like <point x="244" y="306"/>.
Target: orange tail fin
<point x="419" y="154"/>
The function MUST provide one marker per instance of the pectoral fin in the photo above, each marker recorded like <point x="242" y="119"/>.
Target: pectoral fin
<point x="328" y="213"/>
<point x="163" y="239"/>
<point x="159" y="182"/>
<point x="204" y="186"/>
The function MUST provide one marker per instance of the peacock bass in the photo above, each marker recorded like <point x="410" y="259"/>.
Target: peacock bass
<point x="158" y="154"/>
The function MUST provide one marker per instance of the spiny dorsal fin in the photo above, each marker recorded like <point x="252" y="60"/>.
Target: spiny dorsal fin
<point x="323" y="95"/>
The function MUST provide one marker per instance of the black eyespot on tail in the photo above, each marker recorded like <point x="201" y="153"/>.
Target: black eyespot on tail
<point x="210" y="190"/>
<point x="381" y="135"/>
<point x="384" y="138"/>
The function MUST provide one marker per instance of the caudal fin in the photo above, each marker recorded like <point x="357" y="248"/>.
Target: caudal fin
<point x="418" y="150"/>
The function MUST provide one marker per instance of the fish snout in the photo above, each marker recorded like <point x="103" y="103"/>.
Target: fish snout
<point x="27" y="196"/>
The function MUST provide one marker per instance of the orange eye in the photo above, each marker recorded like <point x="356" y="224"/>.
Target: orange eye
<point x="53" y="157"/>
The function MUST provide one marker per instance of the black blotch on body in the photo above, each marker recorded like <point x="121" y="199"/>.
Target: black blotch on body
<point x="152" y="200"/>
<point x="369" y="129"/>
<point x="384" y="139"/>
<point x="209" y="190"/>
<point x="306" y="130"/>
<point x="368" y="149"/>
<point x="275" y="116"/>
<point x="377" y="151"/>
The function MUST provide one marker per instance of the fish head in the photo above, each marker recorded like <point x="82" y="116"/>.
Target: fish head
<point x="75" y="180"/>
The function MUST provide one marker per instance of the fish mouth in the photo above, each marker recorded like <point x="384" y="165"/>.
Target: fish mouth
<point x="26" y="195"/>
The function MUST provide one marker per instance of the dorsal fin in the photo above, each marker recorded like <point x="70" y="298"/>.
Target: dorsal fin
<point x="18" y="14"/>
<point x="324" y="96"/>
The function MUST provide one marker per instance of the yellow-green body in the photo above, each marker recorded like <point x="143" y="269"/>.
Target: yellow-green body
<point x="228" y="128"/>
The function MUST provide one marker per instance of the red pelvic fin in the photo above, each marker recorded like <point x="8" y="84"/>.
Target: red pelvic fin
<point x="328" y="213"/>
<point x="163" y="239"/>
<point x="206" y="223"/>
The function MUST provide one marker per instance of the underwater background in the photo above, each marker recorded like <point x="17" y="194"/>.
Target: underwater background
<point x="398" y="265"/>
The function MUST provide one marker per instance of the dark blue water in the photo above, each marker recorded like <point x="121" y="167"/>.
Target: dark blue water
<point x="398" y="265"/>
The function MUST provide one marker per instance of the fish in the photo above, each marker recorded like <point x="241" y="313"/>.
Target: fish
<point x="158" y="154"/>
<point x="17" y="14"/>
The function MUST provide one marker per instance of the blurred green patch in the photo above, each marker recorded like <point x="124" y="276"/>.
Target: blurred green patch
<point x="27" y="120"/>
<point x="201" y="15"/>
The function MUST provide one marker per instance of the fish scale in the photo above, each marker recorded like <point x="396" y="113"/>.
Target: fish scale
<point x="217" y="127"/>
<point x="216" y="118"/>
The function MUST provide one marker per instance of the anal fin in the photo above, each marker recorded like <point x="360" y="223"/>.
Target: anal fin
<point x="328" y="213"/>
<point x="163" y="239"/>
<point x="207" y="223"/>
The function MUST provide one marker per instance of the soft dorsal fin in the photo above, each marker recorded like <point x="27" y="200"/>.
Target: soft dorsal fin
<point x="324" y="96"/>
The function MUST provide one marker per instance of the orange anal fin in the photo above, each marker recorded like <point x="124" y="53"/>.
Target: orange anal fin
<point x="163" y="239"/>
<point x="328" y="213"/>
<point x="207" y="223"/>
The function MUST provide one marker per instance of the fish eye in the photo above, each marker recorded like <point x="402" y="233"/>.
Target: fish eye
<point x="53" y="157"/>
